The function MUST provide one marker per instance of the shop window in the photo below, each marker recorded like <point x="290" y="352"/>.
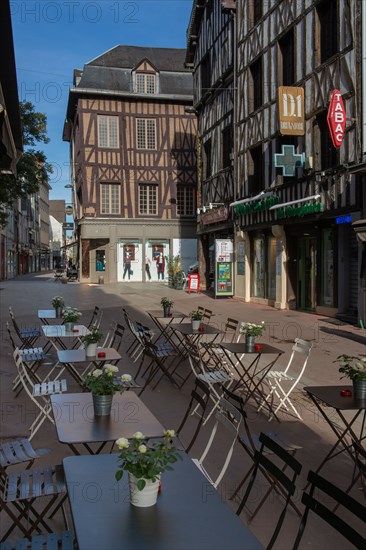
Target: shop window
<point x="100" y="260"/>
<point x="327" y="275"/>
<point x="258" y="267"/>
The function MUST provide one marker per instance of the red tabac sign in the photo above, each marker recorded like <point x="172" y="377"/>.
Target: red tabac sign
<point x="336" y="118"/>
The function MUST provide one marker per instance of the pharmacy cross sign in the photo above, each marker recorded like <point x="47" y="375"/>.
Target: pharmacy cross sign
<point x="288" y="160"/>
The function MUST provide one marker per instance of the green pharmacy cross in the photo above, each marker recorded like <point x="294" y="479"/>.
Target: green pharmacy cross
<point x="288" y="160"/>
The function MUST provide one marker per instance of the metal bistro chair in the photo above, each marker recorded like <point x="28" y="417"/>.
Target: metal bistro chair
<point x="340" y="522"/>
<point x="27" y="335"/>
<point x="18" y="451"/>
<point x="39" y="394"/>
<point x="263" y="459"/>
<point x="200" y="397"/>
<point x="50" y="541"/>
<point x="283" y="383"/>
<point x="360" y="453"/>
<point x="227" y="416"/>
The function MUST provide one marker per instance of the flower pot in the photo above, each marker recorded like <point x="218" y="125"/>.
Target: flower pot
<point x="359" y="389"/>
<point x="91" y="350"/>
<point x="58" y="312"/>
<point x="148" y="496"/>
<point x="102" y="404"/>
<point x="249" y="342"/>
<point x="69" y="327"/>
<point x="196" y="324"/>
<point x="166" y="311"/>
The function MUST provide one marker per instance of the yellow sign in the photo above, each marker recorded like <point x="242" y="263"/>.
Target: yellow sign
<point x="291" y="111"/>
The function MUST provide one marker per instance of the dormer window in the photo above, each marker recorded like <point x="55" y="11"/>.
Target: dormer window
<point x="145" y="83"/>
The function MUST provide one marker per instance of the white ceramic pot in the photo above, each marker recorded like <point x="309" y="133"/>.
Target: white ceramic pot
<point x="91" y="350"/>
<point x="196" y="324"/>
<point x="69" y="327"/>
<point x="145" y="498"/>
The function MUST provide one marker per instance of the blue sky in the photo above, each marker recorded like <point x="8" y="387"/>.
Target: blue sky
<point x="51" y="38"/>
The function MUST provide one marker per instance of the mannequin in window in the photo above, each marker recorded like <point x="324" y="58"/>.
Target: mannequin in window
<point x="127" y="265"/>
<point x="160" y="266"/>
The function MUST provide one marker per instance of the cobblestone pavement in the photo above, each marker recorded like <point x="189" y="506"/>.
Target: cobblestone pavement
<point x="27" y="294"/>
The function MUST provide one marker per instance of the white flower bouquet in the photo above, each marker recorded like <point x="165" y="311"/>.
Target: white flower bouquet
<point x="252" y="329"/>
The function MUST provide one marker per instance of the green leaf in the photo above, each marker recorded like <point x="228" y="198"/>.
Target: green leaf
<point x="141" y="484"/>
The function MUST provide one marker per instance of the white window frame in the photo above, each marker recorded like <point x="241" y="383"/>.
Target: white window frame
<point x="146" y="133"/>
<point x="149" y="194"/>
<point x="108" y="132"/>
<point x="145" y="83"/>
<point x="185" y="201"/>
<point x="110" y="198"/>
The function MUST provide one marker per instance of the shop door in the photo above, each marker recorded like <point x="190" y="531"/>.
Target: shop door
<point x="306" y="274"/>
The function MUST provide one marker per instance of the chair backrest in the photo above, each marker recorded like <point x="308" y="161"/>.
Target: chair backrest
<point x="302" y="347"/>
<point x="10" y="336"/>
<point x="229" y="418"/>
<point x="14" y="323"/>
<point x="117" y="337"/>
<point x="200" y="397"/>
<point x="360" y="453"/>
<point x="207" y="314"/>
<point x="323" y="507"/>
<point x="194" y="358"/>
<point x="230" y="330"/>
<point x="94" y="317"/>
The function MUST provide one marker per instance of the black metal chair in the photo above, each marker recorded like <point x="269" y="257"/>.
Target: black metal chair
<point x="200" y="397"/>
<point x="340" y="522"/>
<point x="278" y="474"/>
<point x="50" y="541"/>
<point x="360" y="453"/>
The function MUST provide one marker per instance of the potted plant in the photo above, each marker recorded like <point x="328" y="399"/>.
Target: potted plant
<point x="174" y="268"/>
<point x="91" y="340"/>
<point x="196" y="318"/>
<point x="354" y="368"/>
<point x="58" y="303"/>
<point x="251" y="331"/>
<point x="167" y="304"/>
<point x="103" y="384"/>
<point x="145" y="464"/>
<point x="71" y="315"/>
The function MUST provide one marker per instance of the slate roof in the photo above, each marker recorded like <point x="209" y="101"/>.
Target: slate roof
<point x="164" y="59"/>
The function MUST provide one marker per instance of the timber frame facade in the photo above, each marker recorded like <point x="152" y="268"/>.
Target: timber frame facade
<point x="133" y="157"/>
<point x="210" y="54"/>
<point x="303" y="255"/>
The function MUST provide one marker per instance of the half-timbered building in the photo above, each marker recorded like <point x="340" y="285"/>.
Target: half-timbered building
<point x="210" y="54"/>
<point x="133" y="157"/>
<point x="293" y="220"/>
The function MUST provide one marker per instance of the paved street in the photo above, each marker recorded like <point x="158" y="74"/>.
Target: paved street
<point x="27" y="294"/>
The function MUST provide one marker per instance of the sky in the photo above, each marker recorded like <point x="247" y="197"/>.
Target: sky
<point x="51" y="38"/>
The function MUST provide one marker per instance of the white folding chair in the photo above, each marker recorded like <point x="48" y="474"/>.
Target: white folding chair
<point x="38" y="393"/>
<point x="282" y="383"/>
<point x="230" y="419"/>
<point x="214" y="378"/>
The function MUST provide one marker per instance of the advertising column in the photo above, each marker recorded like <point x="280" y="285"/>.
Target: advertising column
<point x="224" y="284"/>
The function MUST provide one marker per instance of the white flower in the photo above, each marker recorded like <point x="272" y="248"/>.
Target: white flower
<point x="97" y="372"/>
<point x="122" y="443"/>
<point x="142" y="449"/>
<point x="126" y="378"/>
<point x="169" y="433"/>
<point x="110" y="368"/>
<point x="138" y="435"/>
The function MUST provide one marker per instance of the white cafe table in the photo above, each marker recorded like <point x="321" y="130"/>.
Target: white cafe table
<point x="46" y="314"/>
<point x="55" y="334"/>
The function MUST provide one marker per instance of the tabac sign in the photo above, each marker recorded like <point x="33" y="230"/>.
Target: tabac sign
<point x="291" y="111"/>
<point x="336" y="118"/>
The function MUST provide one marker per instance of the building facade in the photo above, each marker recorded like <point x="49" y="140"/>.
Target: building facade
<point x="293" y="221"/>
<point x="210" y="55"/>
<point x="133" y="157"/>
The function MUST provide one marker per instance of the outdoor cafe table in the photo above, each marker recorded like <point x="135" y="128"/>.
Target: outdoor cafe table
<point x="189" y="514"/>
<point x="328" y="399"/>
<point x="194" y="336"/>
<point x="45" y="314"/>
<point x="76" y="424"/>
<point x="251" y="374"/>
<point x="163" y="324"/>
<point x="55" y="333"/>
<point x="69" y="357"/>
